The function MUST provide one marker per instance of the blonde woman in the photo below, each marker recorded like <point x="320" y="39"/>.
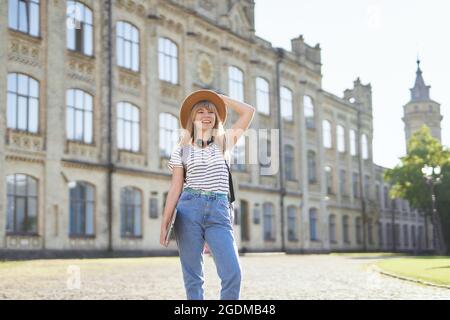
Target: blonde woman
<point x="199" y="191"/>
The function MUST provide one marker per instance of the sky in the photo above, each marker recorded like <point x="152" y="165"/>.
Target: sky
<point x="378" y="41"/>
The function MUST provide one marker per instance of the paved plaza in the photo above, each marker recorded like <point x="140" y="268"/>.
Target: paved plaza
<point x="265" y="276"/>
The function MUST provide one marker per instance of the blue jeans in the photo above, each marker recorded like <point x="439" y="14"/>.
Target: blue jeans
<point x="202" y="217"/>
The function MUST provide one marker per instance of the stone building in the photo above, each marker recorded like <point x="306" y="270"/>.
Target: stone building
<point x="91" y="92"/>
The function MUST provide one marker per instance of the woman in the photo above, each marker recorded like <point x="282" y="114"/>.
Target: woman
<point x="200" y="175"/>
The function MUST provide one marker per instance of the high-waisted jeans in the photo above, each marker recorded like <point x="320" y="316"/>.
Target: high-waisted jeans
<point x="207" y="217"/>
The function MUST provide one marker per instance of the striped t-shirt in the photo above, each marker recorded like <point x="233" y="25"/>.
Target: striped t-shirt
<point x="205" y="168"/>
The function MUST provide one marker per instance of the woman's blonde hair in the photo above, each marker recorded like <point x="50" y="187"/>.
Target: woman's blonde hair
<point x="218" y="131"/>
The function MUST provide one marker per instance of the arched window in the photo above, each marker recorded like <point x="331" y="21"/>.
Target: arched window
<point x="268" y="222"/>
<point x="353" y="150"/>
<point x="168" y="133"/>
<point x="326" y="131"/>
<point x="22" y="204"/>
<point x="168" y="60"/>
<point x="308" y="106"/>
<point x="23" y="103"/>
<point x="329" y="179"/>
<point x="80" y="28"/>
<point x="79" y="117"/>
<point x="292" y="223"/>
<point x="127" y="38"/>
<point x="236" y="83"/>
<point x="364" y="146"/>
<point x="130" y="212"/>
<point x="313" y="224"/>
<point x="262" y="96"/>
<point x="286" y="104"/>
<point x="290" y="162"/>
<point x="358" y="230"/>
<point x="312" y="168"/>
<point x="23" y="16"/>
<point x="332" y="228"/>
<point x="128" y="136"/>
<point x="341" y="138"/>
<point x="345" y="229"/>
<point x="82" y="204"/>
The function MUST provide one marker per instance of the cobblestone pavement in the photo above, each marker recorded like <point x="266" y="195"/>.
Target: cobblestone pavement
<point x="265" y="276"/>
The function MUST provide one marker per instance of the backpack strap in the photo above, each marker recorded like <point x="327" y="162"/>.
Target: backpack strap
<point x="230" y="178"/>
<point x="184" y="153"/>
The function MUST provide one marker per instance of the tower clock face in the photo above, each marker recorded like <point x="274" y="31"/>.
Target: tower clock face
<point x="205" y="69"/>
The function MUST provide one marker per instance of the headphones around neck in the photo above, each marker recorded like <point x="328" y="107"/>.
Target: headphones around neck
<point x="201" y="143"/>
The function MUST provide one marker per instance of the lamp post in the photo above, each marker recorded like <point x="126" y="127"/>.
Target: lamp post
<point x="432" y="176"/>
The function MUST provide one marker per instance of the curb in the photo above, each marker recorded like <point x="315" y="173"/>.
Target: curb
<point x="392" y="275"/>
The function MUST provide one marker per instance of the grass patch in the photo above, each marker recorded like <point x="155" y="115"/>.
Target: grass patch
<point x="432" y="269"/>
<point x="368" y="254"/>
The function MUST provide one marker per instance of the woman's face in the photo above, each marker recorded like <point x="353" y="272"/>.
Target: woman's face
<point x="205" y="119"/>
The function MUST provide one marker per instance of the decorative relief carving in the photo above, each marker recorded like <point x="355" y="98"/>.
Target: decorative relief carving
<point x="82" y="243"/>
<point x="82" y="150"/>
<point x="129" y="83"/>
<point x="205" y="69"/>
<point x="23" y="242"/>
<point x="135" y="7"/>
<point x="25" y="141"/>
<point x="131" y="159"/>
<point x="171" y="24"/>
<point x="80" y="68"/>
<point x="170" y="91"/>
<point x="24" y="51"/>
<point x="207" y="4"/>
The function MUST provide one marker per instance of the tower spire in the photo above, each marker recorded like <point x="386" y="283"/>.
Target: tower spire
<point x="420" y="92"/>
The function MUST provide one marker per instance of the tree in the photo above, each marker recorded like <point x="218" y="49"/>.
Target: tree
<point x="408" y="182"/>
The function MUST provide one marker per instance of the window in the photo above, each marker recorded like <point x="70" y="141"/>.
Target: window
<point x="329" y="179"/>
<point x="341" y="138"/>
<point x="326" y="130"/>
<point x="236" y="83"/>
<point x="23" y="103"/>
<point x="130" y="212"/>
<point x="358" y="230"/>
<point x="22" y="204"/>
<point x="286" y="104"/>
<point x="345" y="229"/>
<point x="80" y="28"/>
<point x="239" y="154"/>
<point x="397" y="235"/>
<point x="386" y="197"/>
<point x="79" y="118"/>
<point x="81" y="210"/>
<point x="405" y="236"/>
<point x="364" y="147"/>
<point x="128" y="127"/>
<point x="370" y="231"/>
<point x="380" y="234"/>
<point x="262" y="96"/>
<point x="355" y="185"/>
<point x="377" y="194"/>
<point x="413" y="236"/>
<point x="312" y="171"/>
<point x="389" y="234"/>
<point x="313" y="224"/>
<point x="23" y="16"/>
<point x="168" y="60"/>
<point x="168" y="134"/>
<point x="289" y="161"/>
<point x="343" y="182"/>
<point x="353" y="150"/>
<point x="269" y="230"/>
<point x="292" y="222"/>
<point x="127" y="46"/>
<point x="332" y="228"/>
<point x="366" y="186"/>
<point x="309" y="112"/>
<point x="265" y="153"/>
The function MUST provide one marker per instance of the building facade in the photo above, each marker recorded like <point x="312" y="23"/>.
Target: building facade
<point x="91" y="92"/>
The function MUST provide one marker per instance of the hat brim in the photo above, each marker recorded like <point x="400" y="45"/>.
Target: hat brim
<point x="198" y="96"/>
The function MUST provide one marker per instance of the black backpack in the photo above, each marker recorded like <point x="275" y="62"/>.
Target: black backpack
<point x="184" y="152"/>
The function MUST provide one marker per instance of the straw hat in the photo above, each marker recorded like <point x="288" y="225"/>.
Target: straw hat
<point x="198" y="96"/>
